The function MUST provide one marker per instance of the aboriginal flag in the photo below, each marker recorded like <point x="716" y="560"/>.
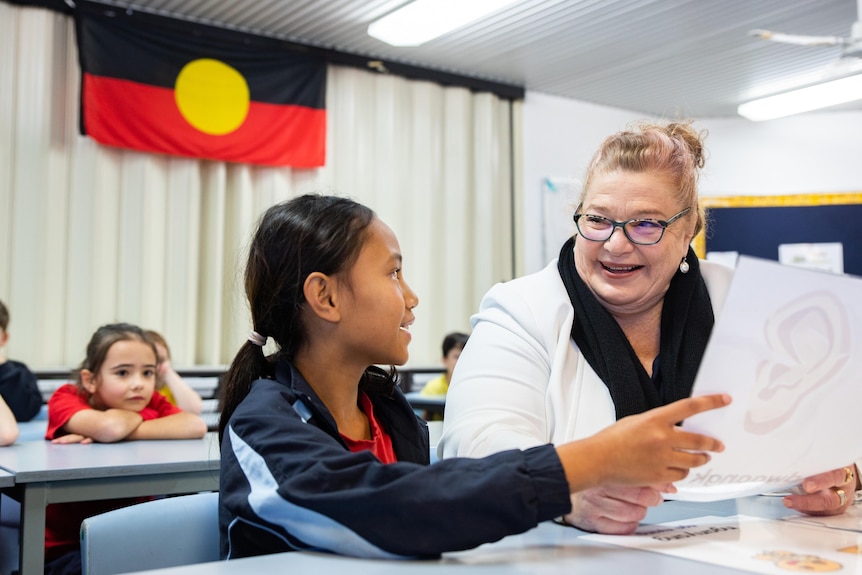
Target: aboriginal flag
<point x="161" y="85"/>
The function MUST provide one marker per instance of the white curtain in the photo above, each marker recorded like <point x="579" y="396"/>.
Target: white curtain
<point x="91" y="234"/>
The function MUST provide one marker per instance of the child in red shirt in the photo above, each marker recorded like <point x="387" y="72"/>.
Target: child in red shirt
<point x="112" y="400"/>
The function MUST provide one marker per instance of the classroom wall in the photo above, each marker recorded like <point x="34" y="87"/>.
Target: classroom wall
<point x="91" y="234"/>
<point x="809" y="153"/>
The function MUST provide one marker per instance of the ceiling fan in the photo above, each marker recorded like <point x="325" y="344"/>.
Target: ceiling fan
<point x="851" y="46"/>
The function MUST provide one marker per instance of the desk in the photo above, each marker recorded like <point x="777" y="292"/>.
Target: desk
<point x="547" y="549"/>
<point x="429" y="403"/>
<point x="6" y="479"/>
<point x="46" y="473"/>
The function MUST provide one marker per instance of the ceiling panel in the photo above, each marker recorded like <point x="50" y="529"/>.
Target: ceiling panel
<point x="658" y="57"/>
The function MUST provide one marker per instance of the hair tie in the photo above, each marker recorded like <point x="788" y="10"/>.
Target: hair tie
<point x="256" y="338"/>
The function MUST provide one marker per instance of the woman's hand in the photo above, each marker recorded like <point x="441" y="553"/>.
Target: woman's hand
<point x="828" y="493"/>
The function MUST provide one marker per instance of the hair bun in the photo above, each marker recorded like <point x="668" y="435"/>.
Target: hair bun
<point x="692" y="139"/>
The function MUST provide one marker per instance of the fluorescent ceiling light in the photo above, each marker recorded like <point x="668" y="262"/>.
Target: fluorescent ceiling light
<point x="803" y="100"/>
<point x="423" y="20"/>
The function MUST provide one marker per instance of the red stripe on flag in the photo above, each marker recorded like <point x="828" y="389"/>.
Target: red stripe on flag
<point x="139" y="116"/>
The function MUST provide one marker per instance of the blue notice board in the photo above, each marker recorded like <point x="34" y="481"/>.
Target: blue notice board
<point x="756" y="226"/>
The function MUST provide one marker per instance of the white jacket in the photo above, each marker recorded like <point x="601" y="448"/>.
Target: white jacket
<point x="521" y="380"/>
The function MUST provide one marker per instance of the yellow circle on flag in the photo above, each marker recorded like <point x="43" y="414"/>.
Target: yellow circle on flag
<point x="212" y="96"/>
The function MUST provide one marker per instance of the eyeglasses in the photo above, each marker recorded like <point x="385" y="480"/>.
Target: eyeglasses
<point x="644" y="232"/>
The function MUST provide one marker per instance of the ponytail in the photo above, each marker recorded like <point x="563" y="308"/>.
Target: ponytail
<point x="249" y="365"/>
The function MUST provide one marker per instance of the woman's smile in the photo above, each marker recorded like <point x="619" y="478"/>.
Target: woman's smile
<point x="619" y="269"/>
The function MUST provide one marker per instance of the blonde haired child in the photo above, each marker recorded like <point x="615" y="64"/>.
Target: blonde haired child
<point x="168" y="382"/>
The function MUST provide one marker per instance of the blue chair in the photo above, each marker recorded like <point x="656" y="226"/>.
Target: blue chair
<point x="161" y="533"/>
<point x="9" y="529"/>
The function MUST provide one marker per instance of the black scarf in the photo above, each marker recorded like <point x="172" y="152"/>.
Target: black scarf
<point x="686" y="322"/>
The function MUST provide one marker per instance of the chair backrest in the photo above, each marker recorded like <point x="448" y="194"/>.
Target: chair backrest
<point x="435" y="430"/>
<point x="10" y="512"/>
<point x="160" y="533"/>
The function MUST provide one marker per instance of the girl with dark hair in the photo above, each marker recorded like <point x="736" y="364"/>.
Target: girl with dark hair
<point x="321" y="451"/>
<point x="112" y="400"/>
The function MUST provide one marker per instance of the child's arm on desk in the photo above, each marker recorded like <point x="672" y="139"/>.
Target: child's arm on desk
<point x="177" y="426"/>
<point x="103" y="426"/>
<point x="114" y="425"/>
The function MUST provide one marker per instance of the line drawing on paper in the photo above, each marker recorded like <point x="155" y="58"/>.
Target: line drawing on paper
<point x="811" y="336"/>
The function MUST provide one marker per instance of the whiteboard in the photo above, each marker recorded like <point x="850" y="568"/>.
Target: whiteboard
<point x="559" y="200"/>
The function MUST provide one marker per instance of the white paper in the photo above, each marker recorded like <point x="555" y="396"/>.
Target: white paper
<point x="826" y="256"/>
<point x="724" y="258"/>
<point x="850" y="520"/>
<point x="748" y="543"/>
<point x="787" y="349"/>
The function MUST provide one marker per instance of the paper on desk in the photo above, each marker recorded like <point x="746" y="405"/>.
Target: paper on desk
<point x="850" y="520"/>
<point x="749" y="543"/>
<point x="786" y="347"/>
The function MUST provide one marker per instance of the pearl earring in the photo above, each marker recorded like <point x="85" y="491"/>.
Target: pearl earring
<point x="683" y="266"/>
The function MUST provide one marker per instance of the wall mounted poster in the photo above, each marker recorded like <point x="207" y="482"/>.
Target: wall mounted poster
<point x="757" y="226"/>
<point x="559" y="200"/>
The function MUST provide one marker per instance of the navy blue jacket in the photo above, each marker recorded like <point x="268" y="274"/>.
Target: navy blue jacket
<point x="20" y="390"/>
<point x="289" y="482"/>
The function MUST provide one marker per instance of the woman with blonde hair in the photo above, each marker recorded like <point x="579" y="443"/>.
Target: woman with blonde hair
<point x="617" y="325"/>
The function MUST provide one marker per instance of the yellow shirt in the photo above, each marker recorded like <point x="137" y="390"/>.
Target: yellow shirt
<point x="436" y="386"/>
<point x="166" y="392"/>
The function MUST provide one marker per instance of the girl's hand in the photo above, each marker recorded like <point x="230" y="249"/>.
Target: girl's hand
<point x="650" y="447"/>
<point x="164" y="367"/>
<point x="72" y="438"/>
<point x="612" y="509"/>
<point x="644" y="449"/>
